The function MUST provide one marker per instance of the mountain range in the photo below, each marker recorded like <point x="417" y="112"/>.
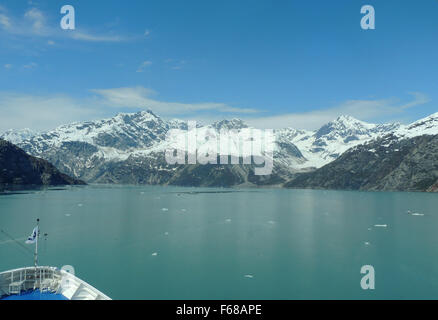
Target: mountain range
<point x="129" y="149"/>
<point x="403" y="160"/>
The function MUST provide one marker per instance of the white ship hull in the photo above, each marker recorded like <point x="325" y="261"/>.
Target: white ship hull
<point x="46" y="283"/>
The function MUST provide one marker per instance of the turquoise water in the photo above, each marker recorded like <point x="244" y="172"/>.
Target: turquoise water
<point x="143" y="242"/>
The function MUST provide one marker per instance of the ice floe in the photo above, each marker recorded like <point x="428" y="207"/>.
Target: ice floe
<point x="415" y="213"/>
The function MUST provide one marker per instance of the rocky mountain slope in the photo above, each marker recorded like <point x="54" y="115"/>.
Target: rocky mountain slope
<point x="334" y="138"/>
<point x="406" y="159"/>
<point x="19" y="169"/>
<point x="386" y="163"/>
<point x="129" y="148"/>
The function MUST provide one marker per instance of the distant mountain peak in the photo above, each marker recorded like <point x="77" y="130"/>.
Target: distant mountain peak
<point x="346" y="118"/>
<point x="433" y="118"/>
<point x="427" y="125"/>
<point x="137" y="116"/>
<point x="229" y="124"/>
<point x="351" y="122"/>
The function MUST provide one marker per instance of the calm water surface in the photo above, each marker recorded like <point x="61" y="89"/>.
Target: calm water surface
<point x="143" y="242"/>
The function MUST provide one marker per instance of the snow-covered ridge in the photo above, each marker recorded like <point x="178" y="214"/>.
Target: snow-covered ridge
<point x="331" y="140"/>
<point x="115" y="138"/>
<point x="144" y="134"/>
<point x="428" y="125"/>
<point x="18" y="136"/>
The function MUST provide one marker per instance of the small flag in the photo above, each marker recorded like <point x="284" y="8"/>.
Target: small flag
<point x="33" y="236"/>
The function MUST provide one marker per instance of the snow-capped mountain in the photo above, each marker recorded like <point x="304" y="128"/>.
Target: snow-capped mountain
<point x="84" y="149"/>
<point x="331" y="140"/>
<point x="428" y="125"/>
<point x="235" y="124"/>
<point x="404" y="159"/>
<point x="111" y="139"/>
<point x="386" y="163"/>
<point x="17" y="136"/>
<point x="129" y="148"/>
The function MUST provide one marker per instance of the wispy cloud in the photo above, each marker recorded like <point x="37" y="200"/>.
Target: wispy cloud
<point x="140" y="97"/>
<point x="40" y="112"/>
<point x="31" y="65"/>
<point x="366" y="110"/>
<point x="35" y="23"/>
<point x="44" y="112"/>
<point x="32" y="23"/>
<point x="143" y="66"/>
<point x="175" y="64"/>
<point x="5" y="22"/>
<point x="419" y="99"/>
<point x="84" y="36"/>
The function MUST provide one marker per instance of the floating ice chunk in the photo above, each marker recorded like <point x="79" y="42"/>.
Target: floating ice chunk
<point x="164" y="209"/>
<point x="366" y="243"/>
<point x="414" y="213"/>
<point x="381" y="225"/>
<point x="155" y="254"/>
<point x="369" y="229"/>
<point x="249" y="276"/>
<point x="228" y="220"/>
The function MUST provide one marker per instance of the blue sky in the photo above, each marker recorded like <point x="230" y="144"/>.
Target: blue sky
<point x="272" y="63"/>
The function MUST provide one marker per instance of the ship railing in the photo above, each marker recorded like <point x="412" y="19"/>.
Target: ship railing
<point x="47" y="279"/>
<point x="25" y="279"/>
